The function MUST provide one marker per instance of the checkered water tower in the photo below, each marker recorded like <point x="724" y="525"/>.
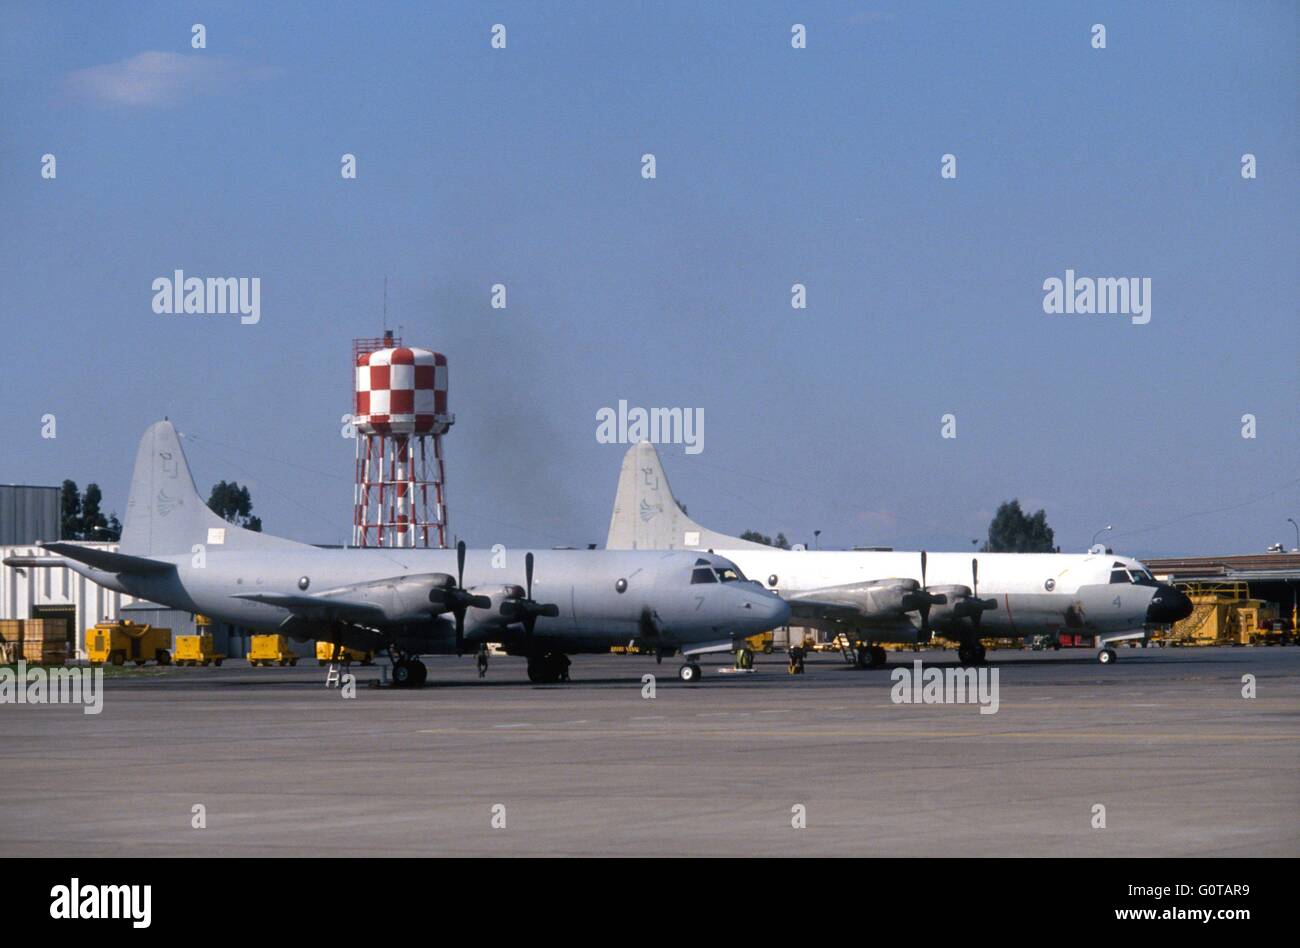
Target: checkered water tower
<point x="400" y="414"/>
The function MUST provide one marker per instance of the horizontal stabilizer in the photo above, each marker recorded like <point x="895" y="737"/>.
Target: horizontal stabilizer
<point x="107" y="561"/>
<point x="37" y="562"/>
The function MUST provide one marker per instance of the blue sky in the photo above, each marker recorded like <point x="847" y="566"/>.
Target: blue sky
<point x="775" y="166"/>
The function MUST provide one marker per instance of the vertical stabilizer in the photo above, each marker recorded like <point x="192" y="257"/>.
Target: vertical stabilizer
<point x="646" y="514"/>
<point x="165" y="514"/>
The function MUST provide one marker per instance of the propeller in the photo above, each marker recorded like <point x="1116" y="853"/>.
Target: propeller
<point x="457" y="598"/>
<point x="978" y="604"/>
<point x="925" y="603"/>
<point x="921" y="600"/>
<point x="524" y="609"/>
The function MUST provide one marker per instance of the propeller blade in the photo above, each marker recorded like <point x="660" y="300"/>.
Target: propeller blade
<point x="528" y="576"/>
<point x="975" y="590"/>
<point x="925" y="602"/>
<point x="460" y="563"/>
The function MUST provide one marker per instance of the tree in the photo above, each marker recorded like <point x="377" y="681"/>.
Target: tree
<point x="93" y="522"/>
<point x="70" y="518"/>
<point x="232" y="502"/>
<point x="82" y="518"/>
<point x="1013" y="532"/>
<point x="781" y="543"/>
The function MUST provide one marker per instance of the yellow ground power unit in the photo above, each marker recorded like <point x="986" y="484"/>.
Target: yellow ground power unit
<point x="267" y="650"/>
<point x="196" y="650"/>
<point x="117" y="643"/>
<point x="325" y="654"/>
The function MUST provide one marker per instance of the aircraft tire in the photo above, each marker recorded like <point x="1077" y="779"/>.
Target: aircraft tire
<point x="689" y="673"/>
<point x="879" y="657"/>
<point x="1106" y="656"/>
<point x="979" y="653"/>
<point x="406" y="673"/>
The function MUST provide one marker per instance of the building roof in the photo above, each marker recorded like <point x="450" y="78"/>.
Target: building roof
<point x="1257" y="566"/>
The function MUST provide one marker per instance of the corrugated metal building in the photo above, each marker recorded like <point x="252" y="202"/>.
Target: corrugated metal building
<point x="56" y="593"/>
<point x="29" y="514"/>
<point x="60" y="593"/>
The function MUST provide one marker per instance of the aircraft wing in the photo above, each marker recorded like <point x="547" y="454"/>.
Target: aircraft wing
<point x="883" y="601"/>
<point x="324" y="608"/>
<point x="394" y="600"/>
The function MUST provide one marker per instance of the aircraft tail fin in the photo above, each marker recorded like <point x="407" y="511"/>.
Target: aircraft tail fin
<point x="648" y="517"/>
<point x="165" y="514"/>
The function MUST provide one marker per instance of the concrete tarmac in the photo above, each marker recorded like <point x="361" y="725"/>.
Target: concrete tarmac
<point x="1163" y="739"/>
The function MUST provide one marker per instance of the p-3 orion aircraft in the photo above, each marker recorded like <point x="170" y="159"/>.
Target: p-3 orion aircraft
<point x="411" y="602"/>
<point x="873" y="597"/>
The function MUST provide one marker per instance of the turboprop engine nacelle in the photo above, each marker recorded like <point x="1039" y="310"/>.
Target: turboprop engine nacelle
<point x="400" y="600"/>
<point x="958" y="602"/>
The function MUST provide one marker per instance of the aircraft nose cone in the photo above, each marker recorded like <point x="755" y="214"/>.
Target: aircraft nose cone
<point x="1168" y="605"/>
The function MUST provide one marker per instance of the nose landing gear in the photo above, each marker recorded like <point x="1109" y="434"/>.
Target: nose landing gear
<point x="971" y="653"/>
<point x="689" y="673"/>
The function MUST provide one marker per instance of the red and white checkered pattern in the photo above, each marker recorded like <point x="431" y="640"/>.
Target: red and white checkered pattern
<point x="402" y="391"/>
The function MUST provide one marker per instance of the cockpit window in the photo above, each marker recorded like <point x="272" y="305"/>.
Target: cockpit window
<point x="702" y="574"/>
<point x="729" y="574"/>
<point x="1119" y="576"/>
<point x="1141" y="577"/>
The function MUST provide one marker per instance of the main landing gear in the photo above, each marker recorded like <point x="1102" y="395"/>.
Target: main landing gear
<point x="870" y="656"/>
<point x="971" y="653"/>
<point x="548" y="669"/>
<point x="689" y="673"/>
<point x="1107" y="655"/>
<point x="409" y="673"/>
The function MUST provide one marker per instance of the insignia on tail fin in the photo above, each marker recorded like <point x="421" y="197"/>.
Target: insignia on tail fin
<point x="165" y="514"/>
<point x="647" y="516"/>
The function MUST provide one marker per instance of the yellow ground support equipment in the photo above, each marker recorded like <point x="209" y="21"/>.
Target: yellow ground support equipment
<point x="267" y="650"/>
<point x="1223" y="614"/>
<point x="763" y="642"/>
<point x="325" y="654"/>
<point x="120" y="642"/>
<point x="195" y="650"/>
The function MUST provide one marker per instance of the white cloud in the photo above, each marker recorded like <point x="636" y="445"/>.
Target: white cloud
<point x="155" y="78"/>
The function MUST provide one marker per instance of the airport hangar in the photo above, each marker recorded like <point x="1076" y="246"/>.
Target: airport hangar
<point x="29" y="515"/>
<point x="32" y="514"/>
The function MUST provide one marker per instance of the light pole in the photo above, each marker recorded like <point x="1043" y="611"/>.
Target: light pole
<point x="817" y="539"/>
<point x="1105" y="529"/>
<point x="1291" y="520"/>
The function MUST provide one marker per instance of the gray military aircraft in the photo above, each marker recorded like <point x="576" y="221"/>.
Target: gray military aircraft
<point x="412" y="602"/>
